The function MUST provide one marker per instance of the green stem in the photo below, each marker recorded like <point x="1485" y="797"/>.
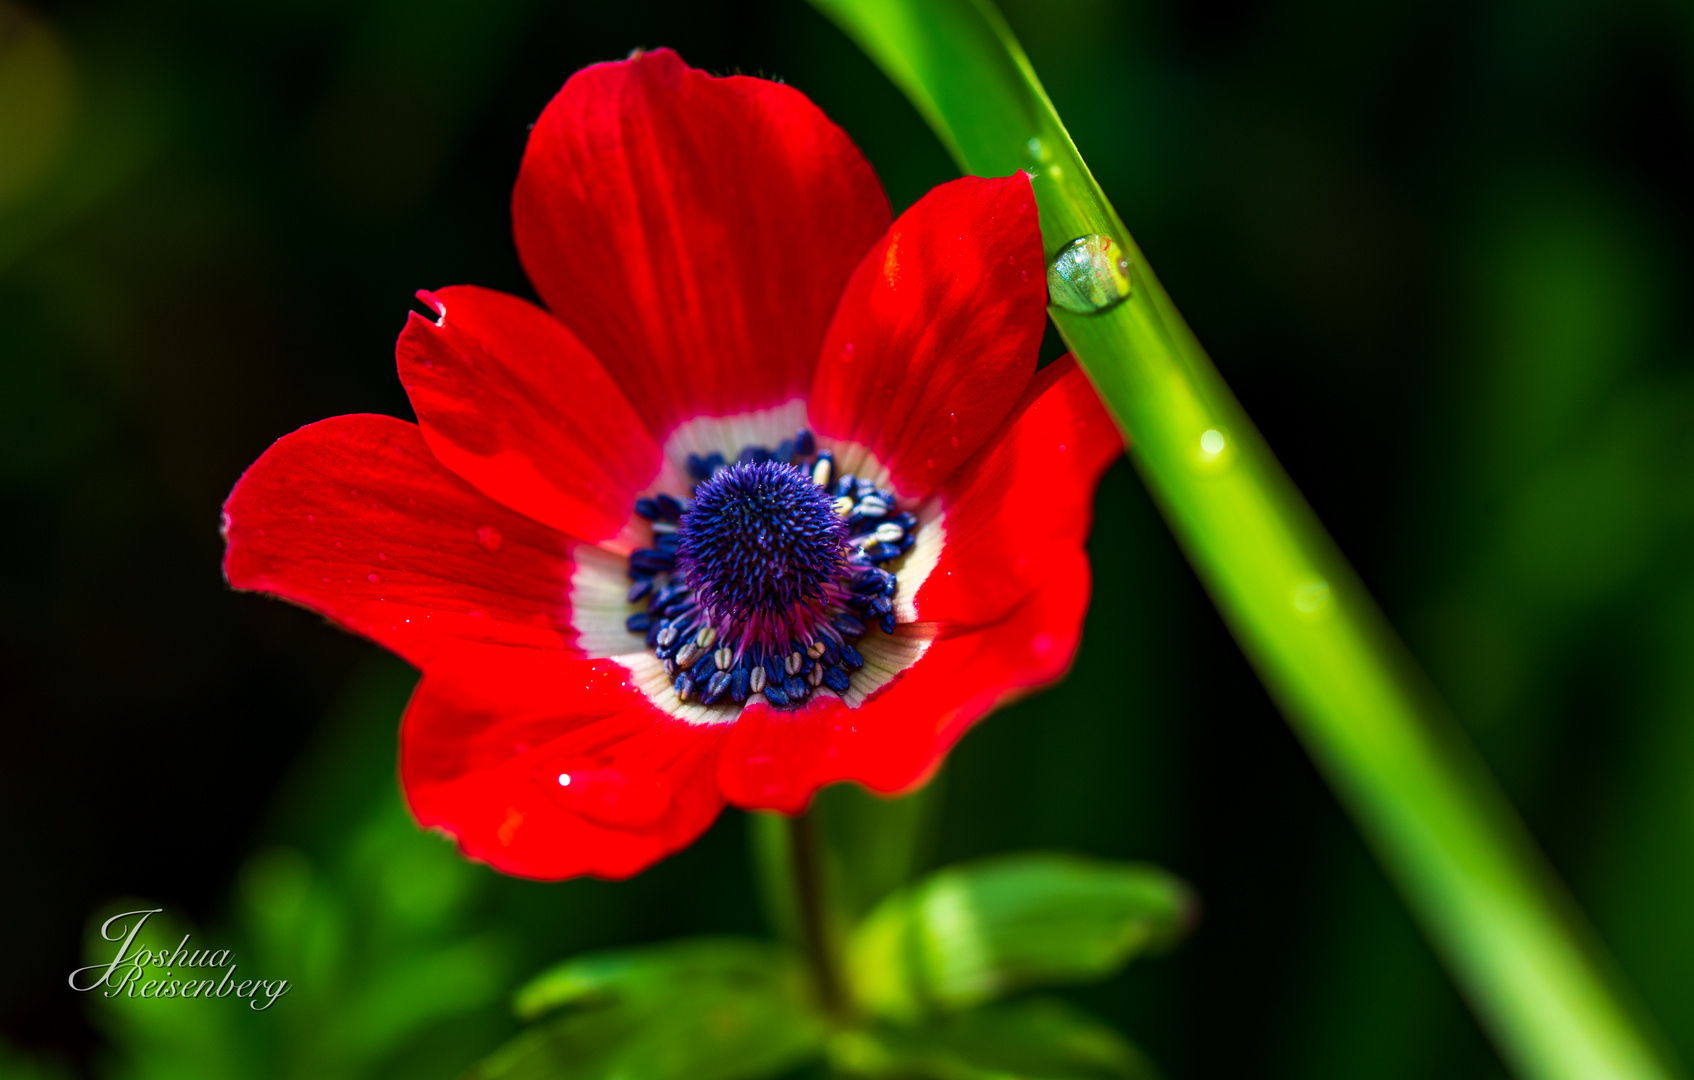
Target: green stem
<point x="1447" y="835"/>
<point x="811" y="905"/>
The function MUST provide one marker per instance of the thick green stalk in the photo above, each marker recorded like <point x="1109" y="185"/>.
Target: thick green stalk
<point x="1449" y="838"/>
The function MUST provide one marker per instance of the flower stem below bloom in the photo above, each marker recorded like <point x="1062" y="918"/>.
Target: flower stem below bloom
<point x="811" y="904"/>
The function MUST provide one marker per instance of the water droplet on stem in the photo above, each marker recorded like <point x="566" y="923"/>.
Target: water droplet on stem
<point x="1089" y="275"/>
<point x="1311" y="596"/>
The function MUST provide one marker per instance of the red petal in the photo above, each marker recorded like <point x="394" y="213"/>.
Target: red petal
<point x="777" y="760"/>
<point x="938" y="331"/>
<point x="1028" y="496"/>
<point x="353" y="518"/>
<point x="695" y="232"/>
<point x="515" y="404"/>
<point x="487" y="738"/>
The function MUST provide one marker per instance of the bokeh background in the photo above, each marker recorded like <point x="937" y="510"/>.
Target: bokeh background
<point x="1441" y="250"/>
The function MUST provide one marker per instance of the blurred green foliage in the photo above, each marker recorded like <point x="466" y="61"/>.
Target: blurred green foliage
<point x="381" y="930"/>
<point x="1440" y="250"/>
<point x="397" y="963"/>
<point x="696" y="1009"/>
<point x="1036" y="1040"/>
<point x="919" y="969"/>
<point x="972" y="933"/>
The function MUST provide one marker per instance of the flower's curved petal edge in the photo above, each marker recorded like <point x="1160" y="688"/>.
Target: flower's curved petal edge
<point x="694" y="231"/>
<point x="512" y="402"/>
<point x="548" y="767"/>
<point x="353" y="518"/>
<point x="938" y="332"/>
<point x="776" y="760"/>
<point x="1025" y="496"/>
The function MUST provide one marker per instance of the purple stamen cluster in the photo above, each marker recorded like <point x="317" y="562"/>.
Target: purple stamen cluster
<point x="762" y="549"/>
<point x="762" y="581"/>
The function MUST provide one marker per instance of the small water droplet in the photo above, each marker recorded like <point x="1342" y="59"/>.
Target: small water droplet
<point x="311" y="518"/>
<point x="564" y="779"/>
<point x="955" y="440"/>
<point x="1311" y="596"/>
<point x="489" y="537"/>
<point x="373" y="578"/>
<point x="1090" y="274"/>
<point x="1212" y="442"/>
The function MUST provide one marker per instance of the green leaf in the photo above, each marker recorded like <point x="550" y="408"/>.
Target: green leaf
<point x="973" y="933"/>
<point x="16" y="1065"/>
<point x="373" y="922"/>
<point x="1031" y="1040"/>
<point x="708" y="1009"/>
<point x="1468" y="868"/>
<point x="602" y="978"/>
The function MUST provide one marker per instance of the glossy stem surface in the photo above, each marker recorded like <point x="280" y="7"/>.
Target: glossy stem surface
<point x="1507" y="930"/>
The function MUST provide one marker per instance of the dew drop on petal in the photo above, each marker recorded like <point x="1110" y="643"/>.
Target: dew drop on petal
<point x="564" y="779"/>
<point x="372" y="578"/>
<point x="1089" y="275"/>
<point x="489" y="537"/>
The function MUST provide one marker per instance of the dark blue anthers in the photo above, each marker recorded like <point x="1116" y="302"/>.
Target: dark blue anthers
<point x="760" y="547"/>
<point x="761" y="580"/>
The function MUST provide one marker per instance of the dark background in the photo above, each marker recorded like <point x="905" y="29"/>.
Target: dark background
<point x="1440" y="250"/>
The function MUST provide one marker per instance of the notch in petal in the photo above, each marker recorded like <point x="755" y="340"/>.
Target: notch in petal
<point x="511" y="401"/>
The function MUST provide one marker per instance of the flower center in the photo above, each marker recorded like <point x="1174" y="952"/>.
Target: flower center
<point x="762" y="548"/>
<point x="765" y="578"/>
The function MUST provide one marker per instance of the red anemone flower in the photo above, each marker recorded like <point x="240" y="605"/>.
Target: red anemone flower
<point x="770" y="495"/>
